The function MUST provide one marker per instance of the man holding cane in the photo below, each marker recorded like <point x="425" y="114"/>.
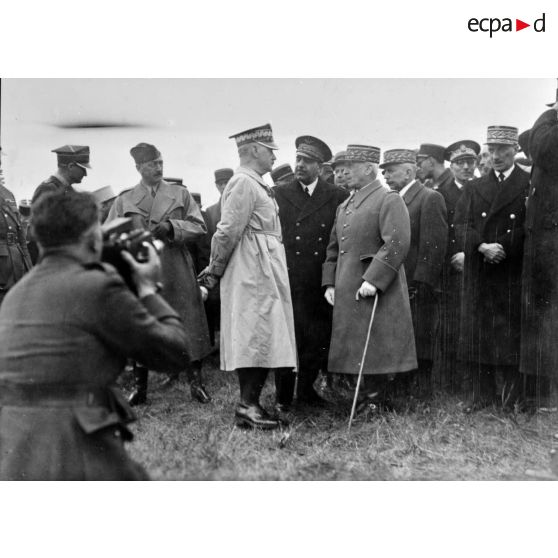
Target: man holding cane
<point x="368" y="244"/>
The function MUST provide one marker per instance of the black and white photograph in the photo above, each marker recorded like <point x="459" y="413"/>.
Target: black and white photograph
<point x="290" y="267"/>
<point x="230" y="270"/>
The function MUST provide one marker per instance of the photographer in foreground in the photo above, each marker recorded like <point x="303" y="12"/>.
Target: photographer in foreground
<point x="67" y="329"/>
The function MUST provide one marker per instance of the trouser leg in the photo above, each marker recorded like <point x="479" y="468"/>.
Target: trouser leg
<point x="139" y="393"/>
<point x="197" y="389"/>
<point x="284" y="385"/>
<point x="251" y="381"/>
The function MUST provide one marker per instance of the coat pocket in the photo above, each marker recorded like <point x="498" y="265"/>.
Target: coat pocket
<point x="367" y="257"/>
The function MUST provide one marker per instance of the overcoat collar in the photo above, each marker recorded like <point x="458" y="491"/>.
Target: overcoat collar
<point x="412" y="192"/>
<point x="363" y="193"/>
<point x="153" y="208"/>
<point x="253" y="174"/>
<point x="308" y="205"/>
<point x="509" y="191"/>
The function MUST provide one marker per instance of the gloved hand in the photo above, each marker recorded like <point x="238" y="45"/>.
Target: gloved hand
<point x="207" y="279"/>
<point x="162" y="231"/>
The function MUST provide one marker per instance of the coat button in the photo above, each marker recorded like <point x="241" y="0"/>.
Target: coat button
<point x="298" y="238"/>
<point x="512" y="216"/>
<point x="297" y="253"/>
<point x="320" y="239"/>
<point x="298" y="224"/>
<point x="483" y="214"/>
<point x="323" y="224"/>
<point x="344" y="225"/>
<point x="342" y="251"/>
<point x="315" y="253"/>
<point x="342" y="238"/>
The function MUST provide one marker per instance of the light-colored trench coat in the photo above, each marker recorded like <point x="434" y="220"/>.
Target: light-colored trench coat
<point x="257" y="327"/>
<point x="369" y="242"/>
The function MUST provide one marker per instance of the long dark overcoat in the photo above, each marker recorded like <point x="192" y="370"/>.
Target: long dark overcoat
<point x="491" y="212"/>
<point x="452" y="286"/>
<point x="67" y="329"/>
<point x="429" y="237"/>
<point x="14" y="257"/>
<point x="306" y="224"/>
<point x="369" y="241"/>
<point x="174" y="204"/>
<point x="539" y="347"/>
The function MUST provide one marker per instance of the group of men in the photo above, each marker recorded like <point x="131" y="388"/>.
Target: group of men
<point x="328" y="271"/>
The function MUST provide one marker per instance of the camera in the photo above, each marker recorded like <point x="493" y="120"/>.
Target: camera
<point x="119" y="235"/>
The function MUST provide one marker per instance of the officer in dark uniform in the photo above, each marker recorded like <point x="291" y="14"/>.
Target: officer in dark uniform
<point x="282" y="175"/>
<point x="14" y="257"/>
<point x="67" y="329"/>
<point x="73" y="162"/>
<point x="307" y="207"/>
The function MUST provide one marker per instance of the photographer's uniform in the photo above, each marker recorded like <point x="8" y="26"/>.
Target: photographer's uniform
<point x="171" y="215"/>
<point x="67" y="329"/>
<point x="14" y="257"/>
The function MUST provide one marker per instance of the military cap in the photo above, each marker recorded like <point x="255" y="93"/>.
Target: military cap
<point x="144" y="152"/>
<point x="460" y="149"/>
<point x="223" y="174"/>
<point x="362" y="154"/>
<point x="78" y="154"/>
<point x="399" y="156"/>
<point x="339" y="157"/>
<point x="261" y="134"/>
<point x="104" y="194"/>
<point x="431" y="150"/>
<point x="523" y="140"/>
<point x="281" y="172"/>
<point x="313" y="148"/>
<point x="502" y="135"/>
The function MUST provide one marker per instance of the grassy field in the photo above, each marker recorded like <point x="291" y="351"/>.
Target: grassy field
<point x="178" y="439"/>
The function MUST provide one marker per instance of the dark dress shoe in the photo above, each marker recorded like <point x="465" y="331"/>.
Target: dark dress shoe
<point x="312" y="399"/>
<point x="199" y="394"/>
<point x="253" y="416"/>
<point x="137" y="397"/>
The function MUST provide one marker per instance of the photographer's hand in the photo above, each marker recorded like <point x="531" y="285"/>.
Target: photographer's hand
<point x="145" y="275"/>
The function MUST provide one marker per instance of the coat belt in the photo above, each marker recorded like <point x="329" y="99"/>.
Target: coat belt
<point x="53" y="395"/>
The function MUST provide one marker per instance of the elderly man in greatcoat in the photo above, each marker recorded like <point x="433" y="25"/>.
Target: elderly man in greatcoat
<point x="369" y="242"/>
<point x="489" y="219"/>
<point x="172" y="216"/>
<point x="307" y="207"/>
<point x="248" y="258"/>
<point x="539" y="350"/>
<point x="423" y="265"/>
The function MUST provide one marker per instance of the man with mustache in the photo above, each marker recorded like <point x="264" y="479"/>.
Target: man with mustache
<point x="169" y="212"/>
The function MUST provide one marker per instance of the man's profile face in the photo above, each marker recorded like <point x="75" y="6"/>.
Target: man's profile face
<point x="266" y="158"/>
<point x="484" y="163"/>
<point x="326" y="174"/>
<point x="425" y="168"/>
<point x="221" y="184"/>
<point x="151" y="171"/>
<point x="464" y="168"/>
<point x="76" y="173"/>
<point x="397" y="176"/>
<point x="306" y="169"/>
<point x="502" y="156"/>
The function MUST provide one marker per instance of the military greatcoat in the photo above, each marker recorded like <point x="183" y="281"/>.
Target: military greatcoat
<point x="173" y="203"/>
<point x="67" y="329"/>
<point x="539" y="347"/>
<point x="247" y="252"/>
<point x="306" y="223"/>
<point x="14" y="257"/>
<point x="490" y="212"/>
<point x="423" y="265"/>
<point x="369" y="241"/>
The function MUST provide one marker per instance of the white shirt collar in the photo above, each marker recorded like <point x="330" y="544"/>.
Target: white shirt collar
<point x="405" y="189"/>
<point x="311" y="187"/>
<point x="506" y="173"/>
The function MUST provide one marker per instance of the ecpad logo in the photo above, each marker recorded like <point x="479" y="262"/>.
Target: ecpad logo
<point x="493" y="25"/>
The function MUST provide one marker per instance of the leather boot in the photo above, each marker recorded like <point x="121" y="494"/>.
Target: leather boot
<point x="249" y="413"/>
<point x="197" y="389"/>
<point x="139" y="393"/>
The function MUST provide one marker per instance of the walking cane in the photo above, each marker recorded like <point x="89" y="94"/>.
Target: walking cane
<point x="362" y="360"/>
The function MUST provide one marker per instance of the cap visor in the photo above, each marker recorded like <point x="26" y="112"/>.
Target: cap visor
<point x="268" y="145"/>
<point x="84" y="165"/>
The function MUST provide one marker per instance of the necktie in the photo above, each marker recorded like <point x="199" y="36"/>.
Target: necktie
<point x="307" y="191"/>
<point x="501" y="177"/>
